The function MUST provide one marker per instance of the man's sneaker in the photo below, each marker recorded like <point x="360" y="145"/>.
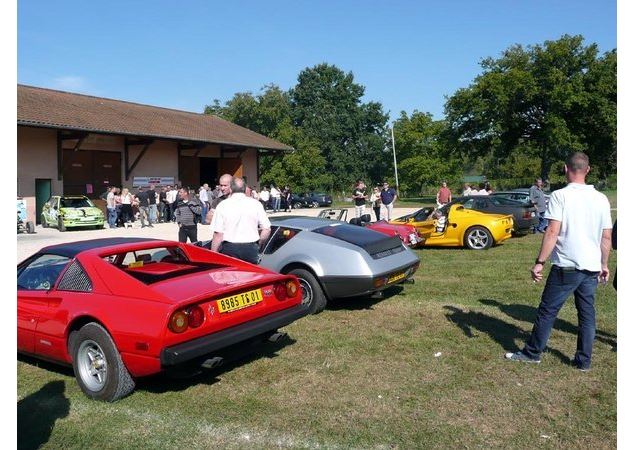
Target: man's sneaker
<point x="520" y="356"/>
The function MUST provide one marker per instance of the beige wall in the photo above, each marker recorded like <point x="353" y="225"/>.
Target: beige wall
<point x="250" y="166"/>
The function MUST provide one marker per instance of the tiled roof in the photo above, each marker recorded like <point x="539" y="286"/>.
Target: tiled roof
<point x="48" y="108"/>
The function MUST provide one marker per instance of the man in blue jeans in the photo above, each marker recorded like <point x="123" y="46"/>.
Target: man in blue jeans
<point x="578" y="238"/>
<point x="538" y="199"/>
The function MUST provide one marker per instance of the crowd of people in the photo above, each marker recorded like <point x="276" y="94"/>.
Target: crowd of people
<point x="382" y="200"/>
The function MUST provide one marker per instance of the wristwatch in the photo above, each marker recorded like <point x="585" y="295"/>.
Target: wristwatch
<point x="539" y="262"/>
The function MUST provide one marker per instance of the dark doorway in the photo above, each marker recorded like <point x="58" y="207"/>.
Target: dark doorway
<point x="209" y="171"/>
<point x="90" y="172"/>
<point x="42" y="194"/>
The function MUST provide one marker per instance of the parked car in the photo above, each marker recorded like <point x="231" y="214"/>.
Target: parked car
<point x="519" y="194"/>
<point x="525" y="215"/>
<point x="453" y="225"/>
<point x="335" y="259"/>
<point x="407" y="233"/>
<point x="310" y="200"/>
<point x="121" y="308"/>
<point x="70" y="212"/>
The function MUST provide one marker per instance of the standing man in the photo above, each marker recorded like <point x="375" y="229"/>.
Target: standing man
<point x="275" y="198"/>
<point x="444" y="195"/>
<point x="578" y="238"/>
<point x="204" y="198"/>
<point x="111" y="207"/>
<point x="359" y="198"/>
<point x="152" y="205"/>
<point x="184" y="212"/>
<point x="224" y="191"/>
<point x="537" y="198"/>
<point x="240" y="225"/>
<point x="264" y="197"/>
<point x="144" y="207"/>
<point x="388" y="197"/>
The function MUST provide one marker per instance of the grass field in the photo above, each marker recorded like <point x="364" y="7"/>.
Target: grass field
<point x="421" y="368"/>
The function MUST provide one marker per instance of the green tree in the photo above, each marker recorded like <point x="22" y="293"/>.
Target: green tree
<point x="549" y="99"/>
<point x="327" y="107"/>
<point x="423" y="161"/>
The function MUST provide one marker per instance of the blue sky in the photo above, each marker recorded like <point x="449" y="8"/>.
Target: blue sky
<point x="408" y="54"/>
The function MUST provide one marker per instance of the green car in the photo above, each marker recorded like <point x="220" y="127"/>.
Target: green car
<point x="71" y="211"/>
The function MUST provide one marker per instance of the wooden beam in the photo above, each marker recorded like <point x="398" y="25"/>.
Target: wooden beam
<point x="60" y="156"/>
<point x="73" y="135"/>
<point x="127" y="143"/>
<point x="80" y="141"/>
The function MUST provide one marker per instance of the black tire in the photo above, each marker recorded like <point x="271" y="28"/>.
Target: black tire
<point x="44" y="222"/>
<point x="478" y="238"/>
<point x="60" y="224"/>
<point x="312" y="292"/>
<point x="298" y="205"/>
<point x="30" y="228"/>
<point x="99" y="370"/>
<point x="315" y="205"/>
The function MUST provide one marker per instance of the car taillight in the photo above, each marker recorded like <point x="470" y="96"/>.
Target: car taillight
<point x="280" y="290"/>
<point x="192" y="317"/>
<point x="195" y="316"/>
<point x="178" y="321"/>
<point x="379" y="282"/>
<point x="292" y="288"/>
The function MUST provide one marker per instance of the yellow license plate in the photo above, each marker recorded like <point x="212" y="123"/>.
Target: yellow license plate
<point x="396" y="277"/>
<point x="239" y="301"/>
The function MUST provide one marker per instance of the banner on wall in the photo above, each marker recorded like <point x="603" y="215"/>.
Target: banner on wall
<point x="147" y="181"/>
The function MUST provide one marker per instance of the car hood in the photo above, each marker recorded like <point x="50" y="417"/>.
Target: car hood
<point x="211" y="283"/>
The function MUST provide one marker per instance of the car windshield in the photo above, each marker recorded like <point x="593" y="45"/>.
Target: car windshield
<point x="75" y="203"/>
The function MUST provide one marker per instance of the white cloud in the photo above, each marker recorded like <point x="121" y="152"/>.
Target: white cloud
<point x="71" y="83"/>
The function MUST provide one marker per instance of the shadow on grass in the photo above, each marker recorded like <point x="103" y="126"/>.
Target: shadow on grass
<point x="192" y="374"/>
<point x="49" y="366"/>
<point x="528" y="314"/>
<point x="362" y="303"/>
<point x="505" y="334"/>
<point x="38" y="412"/>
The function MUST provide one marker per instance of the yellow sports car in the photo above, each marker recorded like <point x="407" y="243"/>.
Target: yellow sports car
<point x="455" y="226"/>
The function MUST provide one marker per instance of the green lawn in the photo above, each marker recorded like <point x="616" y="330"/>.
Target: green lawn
<point x="422" y="367"/>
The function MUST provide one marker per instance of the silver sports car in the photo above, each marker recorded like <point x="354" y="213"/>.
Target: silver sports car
<point x="335" y="259"/>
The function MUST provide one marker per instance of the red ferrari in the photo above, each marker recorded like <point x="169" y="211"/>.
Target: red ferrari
<point x="122" y="308"/>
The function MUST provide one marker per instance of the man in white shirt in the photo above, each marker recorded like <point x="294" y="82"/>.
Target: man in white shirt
<point x="275" y="198"/>
<point x="204" y="199"/>
<point x="264" y="197"/>
<point x="240" y="225"/>
<point x="578" y="238"/>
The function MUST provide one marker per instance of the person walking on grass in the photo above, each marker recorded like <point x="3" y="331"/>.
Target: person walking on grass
<point x="578" y="239"/>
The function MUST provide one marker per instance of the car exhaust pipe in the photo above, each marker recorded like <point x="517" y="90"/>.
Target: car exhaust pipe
<point x="212" y="363"/>
<point x="277" y="336"/>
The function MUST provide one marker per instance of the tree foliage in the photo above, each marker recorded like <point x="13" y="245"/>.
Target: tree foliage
<point x="548" y="99"/>
<point x="423" y="162"/>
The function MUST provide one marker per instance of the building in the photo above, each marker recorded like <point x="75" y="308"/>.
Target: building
<point x="71" y="143"/>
